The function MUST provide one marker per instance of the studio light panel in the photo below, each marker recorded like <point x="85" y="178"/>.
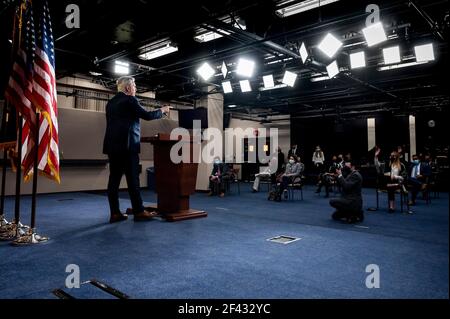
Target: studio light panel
<point x="391" y="55"/>
<point x="330" y="45"/>
<point x="374" y="34"/>
<point x="357" y="60"/>
<point x="424" y="53"/>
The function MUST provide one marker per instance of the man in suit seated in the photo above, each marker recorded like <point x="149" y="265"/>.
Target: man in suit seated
<point x="122" y="145"/>
<point x="219" y="173"/>
<point x="419" y="173"/>
<point x="349" y="205"/>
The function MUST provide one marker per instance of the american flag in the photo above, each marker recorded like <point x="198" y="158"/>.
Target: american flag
<point x="19" y="91"/>
<point x="44" y="93"/>
<point x="32" y="86"/>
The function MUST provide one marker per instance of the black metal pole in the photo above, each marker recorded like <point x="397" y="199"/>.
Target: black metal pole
<point x="3" y="132"/>
<point x="18" y="173"/>
<point x="35" y="174"/>
<point x="2" y="197"/>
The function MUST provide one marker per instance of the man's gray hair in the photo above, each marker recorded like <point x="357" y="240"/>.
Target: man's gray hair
<point x="123" y="82"/>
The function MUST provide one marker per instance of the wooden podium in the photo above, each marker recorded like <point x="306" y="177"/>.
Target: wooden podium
<point x="174" y="182"/>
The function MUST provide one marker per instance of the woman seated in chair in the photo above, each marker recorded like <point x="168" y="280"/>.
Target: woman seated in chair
<point x="216" y="179"/>
<point x="294" y="169"/>
<point x="395" y="176"/>
<point x="327" y="178"/>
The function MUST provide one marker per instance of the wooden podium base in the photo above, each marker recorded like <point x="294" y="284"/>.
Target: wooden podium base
<point x="174" y="217"/>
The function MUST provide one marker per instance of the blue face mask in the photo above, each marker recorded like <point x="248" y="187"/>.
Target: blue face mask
<point x="415" y="162"/>
<point x="217" y="162"/>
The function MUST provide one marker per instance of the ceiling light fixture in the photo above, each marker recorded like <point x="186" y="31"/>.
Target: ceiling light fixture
<point x="224" y="70"/>
<point x="332" y="69"/>
<point x="245" y="86"/>
<point x="245" y="67"/>
<point x="289" y="78"/>
<point x="399" y="66"/>
<point x="374" y="34"/>
<point x="121" y="67"/>
<point x="227" y="88"/>
<point x="302" y="6"/>
<point x="206" y="36"/>
<point x="303" y="52"/>
<point x="155" y="51"/>
<point x="391" y="55"/>
<point x="424" y="53"/>
<point x="205" y="71"/>
<point x="330" y="45"/>
<point x="357" y="60"/>
<point x="268" y="81"/>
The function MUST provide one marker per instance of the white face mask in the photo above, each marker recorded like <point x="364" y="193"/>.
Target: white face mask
<point x="291" y="161"/>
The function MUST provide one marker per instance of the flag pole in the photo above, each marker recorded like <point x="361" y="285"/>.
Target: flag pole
<point x="18" y="173"/>
<point x="35" y="175"/>
<point x="30" y="237"/>
<point x="4" y="224"/>
<point x="15" y="229"/>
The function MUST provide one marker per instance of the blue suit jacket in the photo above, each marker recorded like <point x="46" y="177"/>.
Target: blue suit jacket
<point x="123" y="129"/>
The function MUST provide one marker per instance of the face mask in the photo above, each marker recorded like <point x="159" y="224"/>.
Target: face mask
<point x="216" y="161"/>
<point x="415" y="162"/>
<point x="291" y="161"/>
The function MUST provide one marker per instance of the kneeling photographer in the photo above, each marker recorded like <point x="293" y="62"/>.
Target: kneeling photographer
<point x="349" y="205"/>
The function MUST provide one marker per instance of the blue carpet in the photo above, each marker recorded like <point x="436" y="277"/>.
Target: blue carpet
<point x="227" y="255"/>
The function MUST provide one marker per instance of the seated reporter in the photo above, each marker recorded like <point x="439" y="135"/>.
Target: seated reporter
<point x="294" y="169"/>
<point x="419" y="173"/>
<point x="267" y="173"/>
<point x="219" y="173"/>
<point x="326" y="179"/>
<point x="349" y="205"/>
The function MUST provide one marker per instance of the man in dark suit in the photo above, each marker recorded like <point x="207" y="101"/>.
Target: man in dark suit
<point x="349" y="205"/>
<point x="122" y="145"/>
<point x="295" y="150"/>
<point x="419" y="174"/>
<point x="280" y="162"/>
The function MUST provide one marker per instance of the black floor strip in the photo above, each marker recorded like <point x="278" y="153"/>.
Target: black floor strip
<point x="61" y="294"/>
<point x="109" y="289"/>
